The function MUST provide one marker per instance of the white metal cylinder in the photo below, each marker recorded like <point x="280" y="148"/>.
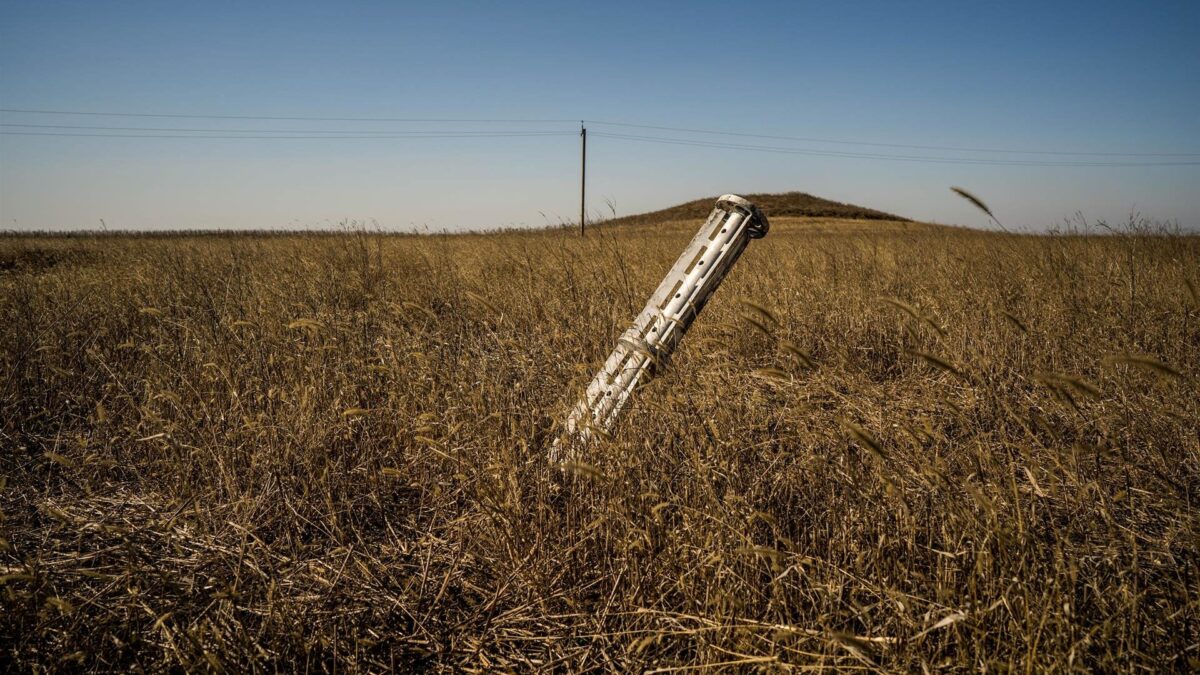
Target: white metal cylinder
<point x="656" y="332"/>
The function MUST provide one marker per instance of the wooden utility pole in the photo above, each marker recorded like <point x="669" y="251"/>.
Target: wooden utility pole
<point x="582" y="176"/>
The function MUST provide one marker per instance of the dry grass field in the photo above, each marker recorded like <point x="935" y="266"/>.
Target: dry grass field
<point x="883" y="446"/>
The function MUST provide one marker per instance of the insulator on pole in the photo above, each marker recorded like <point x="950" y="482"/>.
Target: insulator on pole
<point x="646" y="346"/>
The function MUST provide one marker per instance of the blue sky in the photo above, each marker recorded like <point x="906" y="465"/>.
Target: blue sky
<point x="1099" y="77"/>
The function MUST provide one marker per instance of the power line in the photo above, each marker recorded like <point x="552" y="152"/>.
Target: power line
<point x="298" y="134"/>
<point x="859" y="155"/>
<point x="210" y="130"/>
<point x="283" y="117"/>
<point x="895" y="145"/>
<point x="218" y="134"/>
<point x="514" y="134"/>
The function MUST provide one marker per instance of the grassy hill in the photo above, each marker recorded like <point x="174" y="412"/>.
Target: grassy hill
<point x="785" y="204"/>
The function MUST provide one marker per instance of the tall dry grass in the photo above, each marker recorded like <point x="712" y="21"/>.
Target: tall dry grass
<point x="910" y="448"/>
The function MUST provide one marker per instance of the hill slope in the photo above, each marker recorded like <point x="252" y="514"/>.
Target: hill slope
<point x="793" y="204"/>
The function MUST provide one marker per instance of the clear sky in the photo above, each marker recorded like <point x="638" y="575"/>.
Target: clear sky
<point x="1086" y="77"/>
